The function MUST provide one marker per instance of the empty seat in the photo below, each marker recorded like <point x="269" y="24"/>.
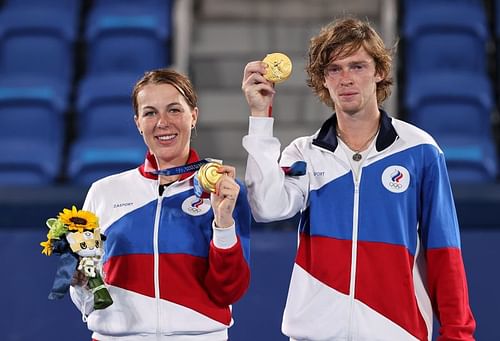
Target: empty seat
<point x="107" y="140"/>
<point x="68" y="7"/>
<point x="160" y="5"/>
<point x="104" y="107"/>
<point x="28" y="162"/>
<point x="450" y="103"/>
<point x="410" y="5"/>
<point x="90" y="160"/>
<point x="440" y="36"/>
<point x="470" y="159"/>
<point x="37" y="42"/>
<point x="126" y="38"/>
<point x="32" y="109"/>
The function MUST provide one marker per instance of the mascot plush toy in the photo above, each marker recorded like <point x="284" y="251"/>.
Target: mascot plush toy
<point x="76" y="237"/>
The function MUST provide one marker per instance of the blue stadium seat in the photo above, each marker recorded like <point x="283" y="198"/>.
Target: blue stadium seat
<point x="410" y="5"/>
<point x="104" y="107"/>
<point x="28" y="162"/>
<point x="440" y="36"/>
<point x="68" y="7"/>
<point x="107" y="139"/>
<point x="445" y="103"/>
<point x="37" y="42"/>
<point x="92" y="159"/>
<point x="162" y="5"/>
<point x="470" y="159"/>
<point x="33" y="109"/>
<point x="127" y="38"/>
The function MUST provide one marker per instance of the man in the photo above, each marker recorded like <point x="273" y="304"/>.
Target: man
<point x="379" y="246"/>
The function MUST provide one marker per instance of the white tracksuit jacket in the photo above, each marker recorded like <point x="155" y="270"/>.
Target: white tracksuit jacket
<point x="172" y="276"/>
<point x="378" y="253"/>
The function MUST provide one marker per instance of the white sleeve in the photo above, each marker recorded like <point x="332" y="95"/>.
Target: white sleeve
<point x="272" y="195"/>
<point x="83" y="299"/>
<point x="88" y="204"/>
<point x="224" y="238"/>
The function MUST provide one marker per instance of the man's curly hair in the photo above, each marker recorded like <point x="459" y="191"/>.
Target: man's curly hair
<point x="340" y="39"/>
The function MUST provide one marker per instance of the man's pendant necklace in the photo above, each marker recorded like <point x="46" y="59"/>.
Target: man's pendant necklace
<point x="357" y="155"/>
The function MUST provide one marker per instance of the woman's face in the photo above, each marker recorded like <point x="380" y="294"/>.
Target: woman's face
<point x="165" y="120"/>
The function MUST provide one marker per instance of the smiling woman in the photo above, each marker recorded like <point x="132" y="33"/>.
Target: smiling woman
<point x="165" y="119"/>
<point x="171" y="249"/>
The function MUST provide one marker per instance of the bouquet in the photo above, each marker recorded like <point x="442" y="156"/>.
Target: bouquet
<point x="76" y="237"/>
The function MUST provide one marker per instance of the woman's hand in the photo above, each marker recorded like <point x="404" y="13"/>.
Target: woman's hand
<point x="79" y="279"/>
<point x="224" y="199"/>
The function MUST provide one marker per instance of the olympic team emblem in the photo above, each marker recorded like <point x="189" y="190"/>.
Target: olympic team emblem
<point x="196" y="206"/>
<point x="396" y="179"/>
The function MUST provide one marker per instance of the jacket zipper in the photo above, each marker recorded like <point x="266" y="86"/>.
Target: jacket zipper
<point x="354" y="253"/>
<point x="156" y="263"/>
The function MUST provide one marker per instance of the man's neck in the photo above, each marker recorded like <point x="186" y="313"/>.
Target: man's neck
<point x="356" y="128"/>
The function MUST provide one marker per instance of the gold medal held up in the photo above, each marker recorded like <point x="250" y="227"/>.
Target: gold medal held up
<point x="279" y="67"/>
<point x="208" y="176"/>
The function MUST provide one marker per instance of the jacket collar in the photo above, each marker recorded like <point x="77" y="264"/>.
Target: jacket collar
<point x="327" y="136"/>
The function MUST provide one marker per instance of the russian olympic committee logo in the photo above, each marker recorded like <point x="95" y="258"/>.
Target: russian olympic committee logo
<point x="196" y="206"/>
<point x="396" y="179"/>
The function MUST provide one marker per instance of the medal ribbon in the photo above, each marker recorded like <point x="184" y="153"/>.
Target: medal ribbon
<point x="198" y="190"/>
<point x="190" y="167"/>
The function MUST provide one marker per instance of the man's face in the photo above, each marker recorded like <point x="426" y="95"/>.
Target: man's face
<point x="352" y="82"/>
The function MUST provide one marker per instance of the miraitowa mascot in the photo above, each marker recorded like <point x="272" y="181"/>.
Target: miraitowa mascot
<point x="79" y="246"/>
<point x="88" y="246"/>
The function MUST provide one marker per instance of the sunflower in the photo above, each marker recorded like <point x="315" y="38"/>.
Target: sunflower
<point x="78" y="220"/>
<point x="47" y="247"/>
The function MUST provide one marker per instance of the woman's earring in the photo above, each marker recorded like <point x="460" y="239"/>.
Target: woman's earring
<point x="141" y="132"/>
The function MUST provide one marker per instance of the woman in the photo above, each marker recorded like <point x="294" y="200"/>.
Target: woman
<point x="173" y="262"/>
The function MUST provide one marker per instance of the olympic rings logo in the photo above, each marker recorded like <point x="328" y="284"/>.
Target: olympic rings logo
<point x="194" y="209"/>
<point x="395" y="178"/>
<point x="195" y="206"/>
<point x="395" y="185"/>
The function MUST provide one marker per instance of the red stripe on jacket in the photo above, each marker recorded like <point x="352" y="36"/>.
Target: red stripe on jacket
<point x="449" y="294"/>
<point x="384" y="282"/>
<point x="186" y="280"/>
<point x="326" y="259"/>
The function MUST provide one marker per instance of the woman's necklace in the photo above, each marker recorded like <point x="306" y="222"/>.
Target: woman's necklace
<point x="357" y="152"/>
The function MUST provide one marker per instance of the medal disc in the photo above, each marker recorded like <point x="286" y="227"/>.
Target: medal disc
<point x="279" y="67"/>
<point x="208" y="176"/>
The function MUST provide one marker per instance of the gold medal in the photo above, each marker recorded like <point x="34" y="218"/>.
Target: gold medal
<point x="279" y="67"/>
<point x="208" y="176"/>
